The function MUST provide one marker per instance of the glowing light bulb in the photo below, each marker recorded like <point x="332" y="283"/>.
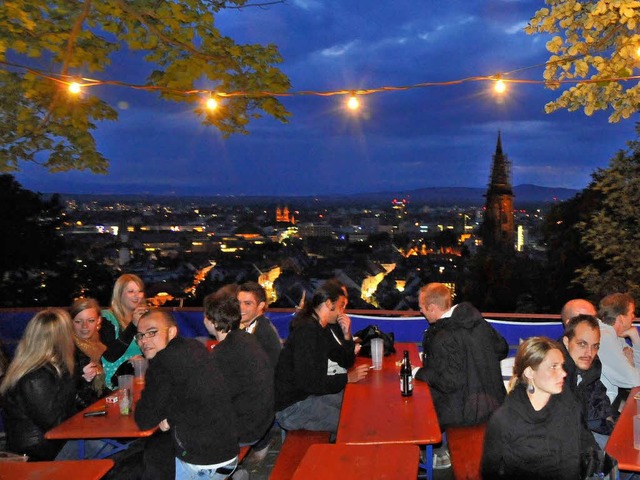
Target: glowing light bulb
<point x="74" y="87"/>
<point x="212" y="104"/>
<point x="638" y="52"/>
<point x="500" y="86"/>
<point x="353" y="103"/>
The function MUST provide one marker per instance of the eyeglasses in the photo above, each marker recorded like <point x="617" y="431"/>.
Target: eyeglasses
<point x="149" y="334"/>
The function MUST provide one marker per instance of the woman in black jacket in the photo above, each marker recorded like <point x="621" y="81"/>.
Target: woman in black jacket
<point x="539" y="432"/>
<point x="312" y="370"/>
<point x="38" y="390"/>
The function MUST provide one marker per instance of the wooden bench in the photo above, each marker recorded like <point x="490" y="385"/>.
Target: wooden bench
<point x="293" y="449"/>
<point x="465" y="449"/>
<point x="243" y="453"/>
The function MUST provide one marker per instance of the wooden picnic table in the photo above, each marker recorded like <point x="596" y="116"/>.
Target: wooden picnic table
<point x="58" y="470"/>
<point x="620" y="444"/>
<point x="359" y="462"/>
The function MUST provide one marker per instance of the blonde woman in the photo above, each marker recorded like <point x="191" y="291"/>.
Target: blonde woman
<point x="38" y="389"/>
<point x="120" y="326"/>
<point x="89" y="374"/>
<point x="539" y="433"/>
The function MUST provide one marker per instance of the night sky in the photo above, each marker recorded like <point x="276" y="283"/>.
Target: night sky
<point x="435" y="136"/>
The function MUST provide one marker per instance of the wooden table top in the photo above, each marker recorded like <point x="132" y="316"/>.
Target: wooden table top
<point x="58" y="470"/>
<point x="374" y="412"/>
<point x="382" y="462"/>
<point x="111" y="425"/>
<point x="620" y="444"/>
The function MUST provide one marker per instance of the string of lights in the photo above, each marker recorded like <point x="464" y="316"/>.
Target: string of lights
<point x="75" y="84"/>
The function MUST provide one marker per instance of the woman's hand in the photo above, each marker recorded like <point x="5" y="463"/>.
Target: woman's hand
<point x="90" y="371"/>
<point x="137" y="313"/>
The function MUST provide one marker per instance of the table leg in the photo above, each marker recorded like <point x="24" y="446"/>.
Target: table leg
<point x="427" y="466"/>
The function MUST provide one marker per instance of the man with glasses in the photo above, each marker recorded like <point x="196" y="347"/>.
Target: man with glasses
<point x="185" y="396"/>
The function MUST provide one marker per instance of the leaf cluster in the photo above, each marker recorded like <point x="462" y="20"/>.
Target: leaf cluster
<point x="595" y="41"/>
<point x="40" y="123"/>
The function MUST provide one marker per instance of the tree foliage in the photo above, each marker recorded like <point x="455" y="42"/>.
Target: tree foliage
<point x="596" y="41"/>
<point x="566" y="253"/>
<point x="611" y="234"/>
<point x="40" y="122"/>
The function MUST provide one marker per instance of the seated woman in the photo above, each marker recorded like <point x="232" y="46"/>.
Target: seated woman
<point x="312" y="369"/>
<point x="38" y="389"/>
<point x="539" y="433"/>
<point x="89" y="374"/>
<point x="120" y="326"/>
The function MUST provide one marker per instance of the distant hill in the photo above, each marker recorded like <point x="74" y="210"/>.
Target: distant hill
<point x="524" y="194"/>
<point x="434" y="196"/>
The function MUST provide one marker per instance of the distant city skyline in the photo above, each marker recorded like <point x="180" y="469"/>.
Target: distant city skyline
<point x="424" y="137"/>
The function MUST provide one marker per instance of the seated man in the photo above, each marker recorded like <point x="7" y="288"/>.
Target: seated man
<point x="575" y="307"/>
<point x="253" y="303"/>
<point x="462" y="354"/>
<point x="580" y="345"/>
<point x="620" y="362"/>
<point x="247" y="372"/>
<point x="184" y="393"/>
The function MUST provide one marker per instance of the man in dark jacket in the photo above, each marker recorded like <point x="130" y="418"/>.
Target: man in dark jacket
<point x="461" y="362"/>
<point x="580" y="348"/>
<point x="185" y="395"/>
<point x="253" y="302"/>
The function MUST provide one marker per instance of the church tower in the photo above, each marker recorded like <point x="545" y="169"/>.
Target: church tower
<point x="498" y="228"/>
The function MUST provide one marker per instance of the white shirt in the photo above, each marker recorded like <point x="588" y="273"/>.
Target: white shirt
<point x="616" y="369"/>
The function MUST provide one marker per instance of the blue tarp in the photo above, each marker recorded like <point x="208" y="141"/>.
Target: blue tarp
<point x="405" y="329"/>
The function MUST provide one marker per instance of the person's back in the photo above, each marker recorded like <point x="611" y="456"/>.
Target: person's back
<point x="38" y="390"/>
<point x="248" y="377"/>
<point x="462" y="356"/>
<point x="39" y="401"/>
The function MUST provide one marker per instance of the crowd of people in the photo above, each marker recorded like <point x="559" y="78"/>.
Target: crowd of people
<point x="551" y="421"/>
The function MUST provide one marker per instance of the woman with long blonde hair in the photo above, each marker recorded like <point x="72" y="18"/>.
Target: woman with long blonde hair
<point x="120" y="326"/>
<point x="38" y="391"/>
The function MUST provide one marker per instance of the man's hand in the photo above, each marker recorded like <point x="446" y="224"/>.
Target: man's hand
<point x="345" y="324"/>
<point x="164" y="425"/>
<point x="358" y="373"/>
<point x="632" y="334"/>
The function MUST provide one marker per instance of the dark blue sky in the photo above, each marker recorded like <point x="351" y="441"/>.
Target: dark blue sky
<point x="435" y="136"/>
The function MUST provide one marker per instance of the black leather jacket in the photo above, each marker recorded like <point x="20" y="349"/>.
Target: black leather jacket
<point x="38" y="402"/>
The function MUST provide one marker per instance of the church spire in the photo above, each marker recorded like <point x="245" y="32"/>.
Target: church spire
<point x="498" y="228"/>
<point x="501" y="171"/>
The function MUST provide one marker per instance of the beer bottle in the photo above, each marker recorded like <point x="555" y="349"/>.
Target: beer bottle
<point x="406" y="378"/>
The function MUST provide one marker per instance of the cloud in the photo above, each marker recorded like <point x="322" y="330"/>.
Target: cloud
<point x="338" y="50"/>
<point x="516" y="28"/>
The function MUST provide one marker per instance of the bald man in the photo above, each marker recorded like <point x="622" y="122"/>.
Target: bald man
<point x="575" y="307"/>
